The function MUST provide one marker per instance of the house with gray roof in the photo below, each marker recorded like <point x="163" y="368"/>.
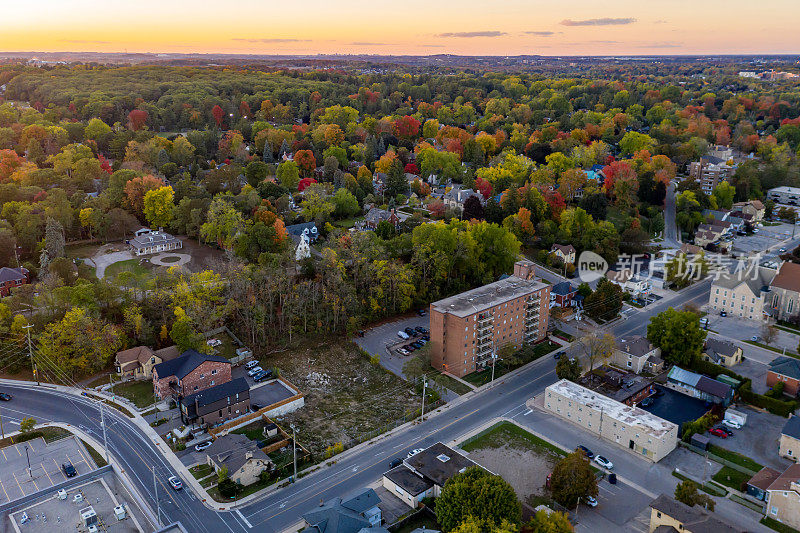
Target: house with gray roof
<point x="743" y="293"/>
<point x="670" y="515"/>
<point x="699" y="386"/>
<point x="787" y="371"/>
<point x="789" y="441"/>
<point x="12" y="277"/>
<point x="351" y="514"/>
<point x="637" y="354"/>
<point x="154" y="242"/>
<point x="243" y="458"/>
<point x="307" y="231"/>
<point x="217" y="404"/>
<point x="722" y="352"/>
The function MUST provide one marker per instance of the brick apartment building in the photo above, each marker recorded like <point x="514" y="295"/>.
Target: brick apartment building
<point x="465" y="328"/>
<point x="190" y="373"/>
<point x="217" y="404"/>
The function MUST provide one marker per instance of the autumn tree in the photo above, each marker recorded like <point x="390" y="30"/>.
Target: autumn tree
<point x="137" y="119"/>
<point x="597" y="347"/>
<point x="306" y="162"/>
<point x="479" y="494"/>
<point x="158" y="206"/>
<point x="288" y="175"/>
<point x="136" y="189"/>
<point x="218" y="114"/>
<point x="686" y="492"/>
<point x="678" y="334"/>
<point x="573" y="479"/>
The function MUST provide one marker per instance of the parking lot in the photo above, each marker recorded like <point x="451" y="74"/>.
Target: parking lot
<point x="676" y="407"/>
<point x="758" y="439"/>
<point x="45" y="461"/>
<point x="766" y="238"/>
<point x="383" y="339"/>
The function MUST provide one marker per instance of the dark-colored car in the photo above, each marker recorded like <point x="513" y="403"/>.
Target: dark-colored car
<point x="410" y="332"/>
<point x="426" y="337"/>
<point x="586" y="451"/>
<point x="68" y="469"/>
<point x="647" y="402"/>
<point x="417" y="344"/>
<point x="559" y="354"/>
<point x="5" y="397"/>
<point x="421" y="329"/>
<point x="718" y="433"/>
<point x="422" y="312"/>
<point x="261" y="376"/>
<point x="723" y="313"/>
<point x="410" y="347"/>
<point x="254" y="407"/>
<point x="394" y="463"/>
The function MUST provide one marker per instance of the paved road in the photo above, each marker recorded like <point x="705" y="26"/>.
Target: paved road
<point x="672" y="237"/>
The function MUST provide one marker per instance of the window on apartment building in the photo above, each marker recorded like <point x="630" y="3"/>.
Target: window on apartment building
<point x="213" y="372"/>
<point x="202" y="376"/>
<point x="717" y="291"/>
<point x="195" y="387"/>
<point x="774" y="510"/>
<point x="791" y="305"/>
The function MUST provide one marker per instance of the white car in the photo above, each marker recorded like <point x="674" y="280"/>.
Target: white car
<point x="402" y="334"/>
<point x="413" y="452"/>
<point x="175" y="483"/>
<point x="402" y="351"/>
<point x="755" y="230"/>
<point x="251" y="364"/>
<point x="202" y="446"/>
<point x="733" y="424"/>
<point x="591" y="502"/>
<point x="253" y="371"/>
<point x="602" y="461"/>
<point x="782" y="250"/>
<point x="213" y="342"/>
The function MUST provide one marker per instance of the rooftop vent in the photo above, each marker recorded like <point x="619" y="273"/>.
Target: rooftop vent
<point x="443" y="458"/>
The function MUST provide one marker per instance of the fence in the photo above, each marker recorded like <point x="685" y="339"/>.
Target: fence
<point x="717" y="458"/>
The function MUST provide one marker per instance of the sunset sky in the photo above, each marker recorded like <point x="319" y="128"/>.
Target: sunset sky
<point x="474" y="27"/>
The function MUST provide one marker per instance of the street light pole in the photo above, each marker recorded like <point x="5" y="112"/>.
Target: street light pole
<point x="294" y="453"/>
<point x="424" y="390"/>
<point x="155" y="497"/>
<point x="30" y="353"/>
<point x="103" y="423"/>
<point x="30" y="473"/>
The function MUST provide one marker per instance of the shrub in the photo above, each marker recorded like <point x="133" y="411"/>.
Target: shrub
<point x="228" y="488"/>
<point x="338" y="448"/>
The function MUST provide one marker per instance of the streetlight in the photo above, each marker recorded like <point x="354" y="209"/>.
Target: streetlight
<point x="30" y="473"/>
<point x="294" y="453"/>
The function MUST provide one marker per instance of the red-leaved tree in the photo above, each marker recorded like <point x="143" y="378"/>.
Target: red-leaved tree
<point x="217" y="113"/>
<point x="137" y="119"/>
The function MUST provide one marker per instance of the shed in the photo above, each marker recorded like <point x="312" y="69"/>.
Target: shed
<point x="734" y="383"/>
<point x="700" y="441"/>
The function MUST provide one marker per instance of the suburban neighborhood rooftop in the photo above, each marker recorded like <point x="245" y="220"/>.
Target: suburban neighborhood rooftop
<point x="486" y="297"/>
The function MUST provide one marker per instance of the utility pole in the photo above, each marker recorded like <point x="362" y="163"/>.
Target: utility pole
<point x="30" y="473"/>
<point x="155" y="496"/>
<point x="294" y="453"/>
<point x="424" y="390"/>
<point x="103" y="423"/>
<point x="30" y="353"/>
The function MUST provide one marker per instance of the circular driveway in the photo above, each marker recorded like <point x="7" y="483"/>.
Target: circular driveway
<point x="169" y="259"/>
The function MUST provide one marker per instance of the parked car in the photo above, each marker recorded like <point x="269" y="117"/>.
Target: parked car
<point x="394" y="463"/>
<point x="410" y="332"/>
<point x="413" y="452"/>
<point x="68" y="469"/>
<point x="586" y="451"/>
<point x="255" y="370"/>
<point x="727" y="431"/>
<point x="402" y="351"/>
<point x="251" y="364"/>
<point x="261" y="376"/>
<point x="718" y="433"/>
<point x="558" y="355"/>
<point x="175" y="482"/>
<point x="422" y="312"/>
<point x="409" y="348"/>
<point x="417" y="344"/>
<point x="755" y="230"/>
<point x="202" y="446"/>
<point x="591" y="501"/>
<point x="213" y="342"/>
<point x="735" y="424"/>
<point x="647" y="402"/>
<point x="402" y="334"/>
<point x="782" y="250"/>
<point x="754" y="338"/>
<point x="422" y="341"/>
<point x="255" y="407"/>
<point x="421" y="329"/>
<point x="5" y="397"/>
<point x="602" y="461"/>
<point x="426" y="338"/>
<point x="723" y="313"/>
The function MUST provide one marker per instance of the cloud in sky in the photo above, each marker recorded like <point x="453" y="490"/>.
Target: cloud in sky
<point x="599" y="22"/>
<point x="540" y="33"/>
<point x="272" y="40"/>
<point x="470" y="34"/>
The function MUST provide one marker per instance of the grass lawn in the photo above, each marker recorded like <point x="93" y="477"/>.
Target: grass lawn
<point x="99" y="460"/>
<point x="139" y="392"/>
<point x="80" y="251"/>
<point x="562" y="335"/>
<point x="253" y="431"/>
<point x="777" y="526"/>
<point x="731" y="478"/>
<point x="131" y="265"/>
<point x="739" y="459"/>
<point x="452" y="384"/>
<point x="201" y="471"/>
<point x="524" y="356"/>
<point x="788" y="329"/>
<point x="708" y="488"/>
<point x="101" y="380"/>
<point x="228" y="347"/>
<point x="347" y="223"/>
<point x="508" y="434"/>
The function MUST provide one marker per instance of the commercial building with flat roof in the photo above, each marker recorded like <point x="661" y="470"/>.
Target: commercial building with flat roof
<point x="468" y="327"/>
<point x="785" y="195"/>
<point x="630" y="427"/>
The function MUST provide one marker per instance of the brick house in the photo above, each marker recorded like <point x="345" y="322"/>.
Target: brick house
<point x="12" y="277"/>
<point x="789" y="441"/>
<point x="562" y="294"/>
<point x="138" y="362"/>
<point x="190" y="373"/>
<point x="722" y="352"/>
<point x="217" y="404"/>
<point x="787" y="370"/>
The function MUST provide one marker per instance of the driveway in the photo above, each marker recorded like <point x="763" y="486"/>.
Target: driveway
<point x="102" y="261"/>
<point x="743" y="329"/>
<point x="758" y="439"/>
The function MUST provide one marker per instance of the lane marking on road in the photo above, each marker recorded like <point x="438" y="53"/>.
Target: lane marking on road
<point x="247" y="523"/>
<point x="529" y="411"/>
<point x="59" y="468"/>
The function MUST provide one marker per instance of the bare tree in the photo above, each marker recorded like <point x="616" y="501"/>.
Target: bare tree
<point x="598" y="347"/>
<point x="768" y="333"/>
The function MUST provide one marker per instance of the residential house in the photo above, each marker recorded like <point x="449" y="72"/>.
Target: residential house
<point x="789" y="441"/>
<point x="12" y="277"/>
<point x="563" y="294"/>
<point x="715" y="232"/>
<point x="564" y="252"/>
<point x="699" y="386"/>
<point x="784" y="302"/>
<point x="691" y="249"/>
<point x="154" y="242"/>
<point x="787" y="370"/>
<point x="138" y="362"/>
<point x="638" y="354"/>
<point x="375" y="216"/>
<point x="742" y="293"/>
<point x="425" y="473"/>
<point x="456" y="197"/>
<point x="783" y="497"/>
<point x="754" y="208"/>
<point x="350" y="514"/>
<point x="243" y="458"/>
<point x="190" y="373"/>
<point x="630" y="427"/>
<point x="306" y="231"/>
<point x="758" y="484"/>
<point x="634" y="284"/>
<point x="722" y="352"/>
<point x="669" y="515"/>
<point x="624" y="387"/>
<point x="217" y="404"/>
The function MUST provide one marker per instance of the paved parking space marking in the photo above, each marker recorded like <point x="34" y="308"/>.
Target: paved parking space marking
<point x="4" y="453"/>
<point x="47" y="474"/>
<point x="4" y="491"/>
<point x="18" y="485"/>
<point x="58" y="467"/>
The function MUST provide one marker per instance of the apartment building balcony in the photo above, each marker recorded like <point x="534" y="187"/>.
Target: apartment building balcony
<point x="485" y="320"/>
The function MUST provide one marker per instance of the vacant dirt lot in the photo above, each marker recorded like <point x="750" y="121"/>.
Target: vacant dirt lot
<point x="525" y="470"/>
<point x="346" y="396"/>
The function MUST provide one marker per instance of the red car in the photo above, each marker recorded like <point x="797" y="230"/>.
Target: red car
<point x="718" y="432"/>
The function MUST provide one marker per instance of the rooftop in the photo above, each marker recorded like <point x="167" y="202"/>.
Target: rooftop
<point x="234" y="450"/>
<point x="757" y="278"/>
<point x="764" y="478"/>
<point x="149" y="239"/>
<point x="438" y="463"/>
<point x="214" y="394"/>
<point x="12" y="274"/>
<point x="787" y="477"/>
<point x="563" y="288"/>
<point x="786" y="190"/>
<point x="699" y="382"/>
<point x="788" y="277"/>
<point x="792" y="427"/>
<point x="632" y="416"/>
<point x="636" y="346"/>
<point x="340" y="515"/>
<point x="404" y="477"/>
<point x="720" y="347"/>
<point x="786" y="366"/>
<point x="694" y="519"/>
<point x="486" y="297"/>
<point x="183" y="365"/>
